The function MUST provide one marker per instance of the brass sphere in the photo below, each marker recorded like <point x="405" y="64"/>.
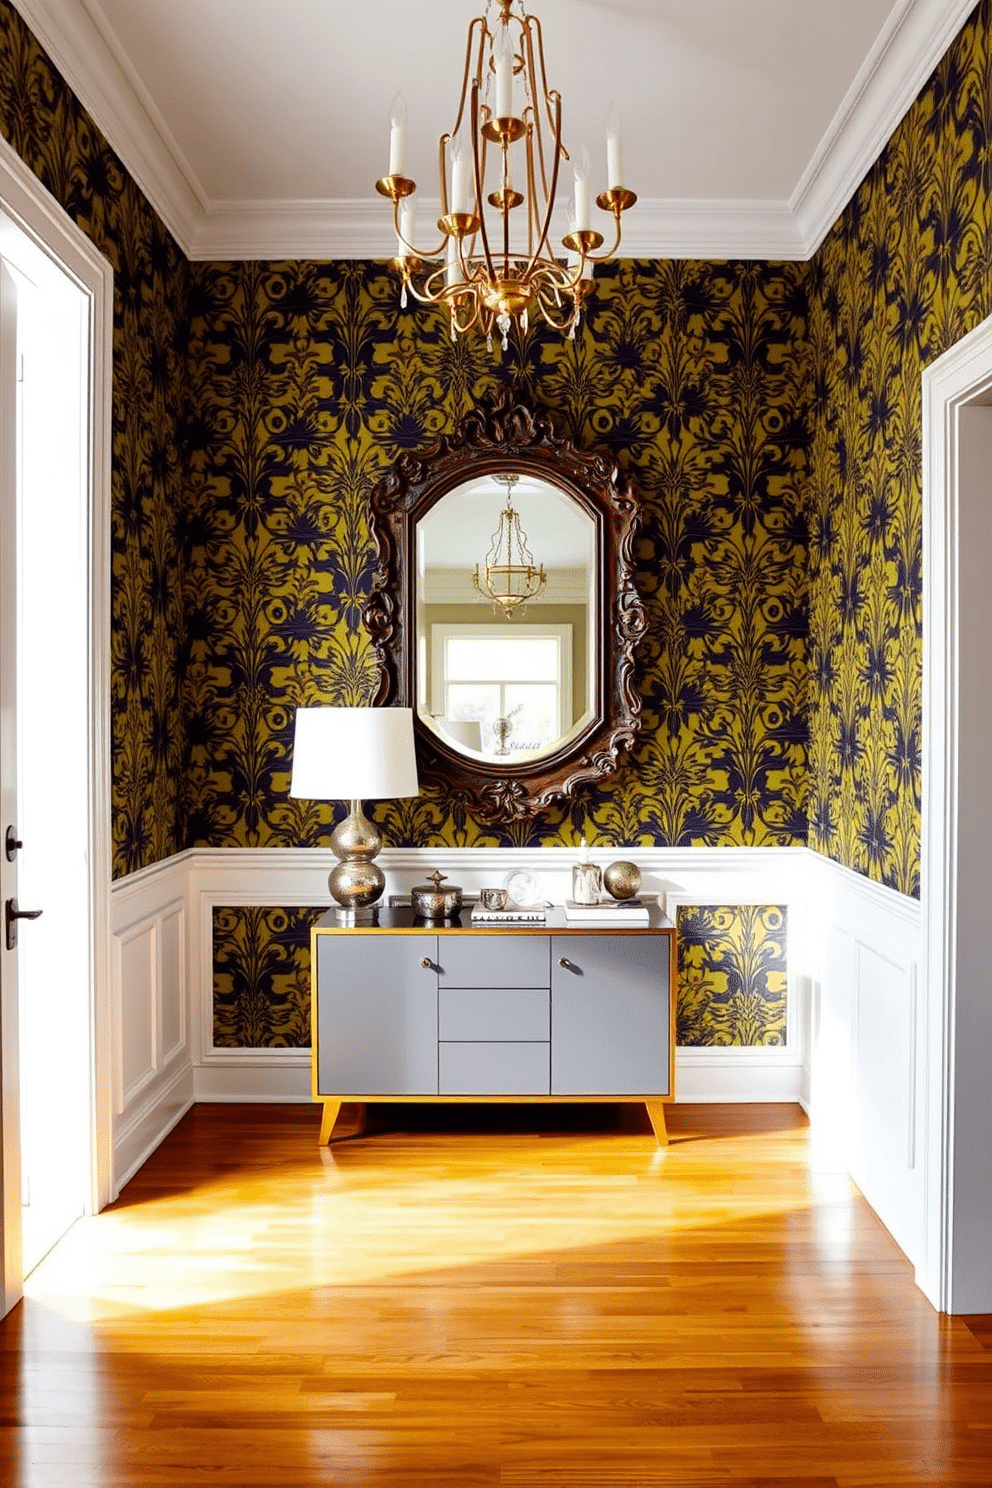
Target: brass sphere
<point x="622" y="880"/>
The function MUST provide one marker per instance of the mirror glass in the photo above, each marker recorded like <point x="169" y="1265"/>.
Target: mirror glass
<point x="506" y="606"/>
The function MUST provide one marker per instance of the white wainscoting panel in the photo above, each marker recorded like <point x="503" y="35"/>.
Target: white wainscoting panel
<point x="867" y="1062"/>
<point x="152" y="1074"/>
<point x="136" y="978"/>
<point x="290" y="877"/>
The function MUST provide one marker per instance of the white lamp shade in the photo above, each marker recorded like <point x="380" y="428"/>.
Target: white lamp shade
<point x="354" y="754"/>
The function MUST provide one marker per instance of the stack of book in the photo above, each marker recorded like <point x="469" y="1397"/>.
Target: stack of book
<point x="616" y="911"/>
<point x="507" y="916"/>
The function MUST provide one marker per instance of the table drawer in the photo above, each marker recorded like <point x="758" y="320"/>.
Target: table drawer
<point x="494" y="1069"/>
<point x="494" y="1013"/>
<point x="500" y="960"/>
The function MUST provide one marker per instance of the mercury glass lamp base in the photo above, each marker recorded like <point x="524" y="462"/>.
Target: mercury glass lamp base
<point x="357" y="882"/>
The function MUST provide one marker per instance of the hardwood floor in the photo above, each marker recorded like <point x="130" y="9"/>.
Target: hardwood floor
<point x="514" y="1297"/>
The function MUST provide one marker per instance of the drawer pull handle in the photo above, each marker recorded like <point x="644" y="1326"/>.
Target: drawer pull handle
<point x="566" y="964"/>
<point x="427" y="964"/>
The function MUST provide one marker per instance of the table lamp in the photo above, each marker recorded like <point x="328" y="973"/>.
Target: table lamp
<point x="354" y="755"/>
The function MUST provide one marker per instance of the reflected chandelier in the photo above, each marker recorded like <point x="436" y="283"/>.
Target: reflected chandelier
<point x="493" y="268"/>
<point x="509" y="577"/>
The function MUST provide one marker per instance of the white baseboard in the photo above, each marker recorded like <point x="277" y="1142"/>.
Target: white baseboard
<point x="279" y="1076"/>
<point x="716" y="1076"/>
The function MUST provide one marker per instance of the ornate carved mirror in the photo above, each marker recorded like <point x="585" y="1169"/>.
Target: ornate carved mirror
<point x="503" y="608"/>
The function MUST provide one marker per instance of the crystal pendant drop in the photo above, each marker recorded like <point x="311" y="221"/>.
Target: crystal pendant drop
<point x="403" y="298"/>
<point x="503" y="321"/>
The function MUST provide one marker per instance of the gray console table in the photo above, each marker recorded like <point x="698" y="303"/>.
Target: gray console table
<point x="408" y="1011"/>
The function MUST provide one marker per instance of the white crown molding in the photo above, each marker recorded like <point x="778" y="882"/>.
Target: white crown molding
<point x="298" y="229"/>
<point x="909" y="47"/>
<point x="86" y="62"/>
<point x="914" y="39"/>
<point x="363" y="229"/>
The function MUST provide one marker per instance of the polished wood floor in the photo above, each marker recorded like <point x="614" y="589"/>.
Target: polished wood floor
<point x="514" y="1297"/>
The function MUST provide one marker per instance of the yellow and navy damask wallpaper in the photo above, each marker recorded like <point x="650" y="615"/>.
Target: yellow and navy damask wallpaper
<point x="52" y="133"/>
<point x="307" y="380"/>
<point x="906" y="272"/>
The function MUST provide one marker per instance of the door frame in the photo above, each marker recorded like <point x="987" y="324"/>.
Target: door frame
<point x="25" y="201"/>
<point x="956" y="1274"/>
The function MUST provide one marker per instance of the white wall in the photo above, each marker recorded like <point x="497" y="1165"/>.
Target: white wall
<point x="867" y="1056"/>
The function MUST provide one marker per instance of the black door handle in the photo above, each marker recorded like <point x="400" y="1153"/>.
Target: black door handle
<point x="11" y="914"/>
<point x="11" y="843"/>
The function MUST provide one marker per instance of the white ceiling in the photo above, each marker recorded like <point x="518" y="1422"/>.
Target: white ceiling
<point x="258" y="130"/>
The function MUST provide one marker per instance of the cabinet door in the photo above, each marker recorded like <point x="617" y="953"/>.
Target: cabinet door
<point x="376" y="1014"/>
<point x="610" y="1015"/>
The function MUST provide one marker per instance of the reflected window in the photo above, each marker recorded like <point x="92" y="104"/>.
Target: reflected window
<point x="515" y="685"/>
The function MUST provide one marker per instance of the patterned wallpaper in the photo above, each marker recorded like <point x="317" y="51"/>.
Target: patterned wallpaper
<point x="733" y="975"/>
<point x="307" y="380"/>
<point x="905" y="273"/>
<point x="51" y="132"/>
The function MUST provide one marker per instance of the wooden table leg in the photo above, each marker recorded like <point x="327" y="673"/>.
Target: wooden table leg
<point x="331" y="1109"/>
<point x="656" y="1115"/>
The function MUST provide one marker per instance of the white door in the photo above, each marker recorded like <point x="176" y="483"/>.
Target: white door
<point x="53" y="957"/>
<point x="10" y="1222"/>
<point x="47" y="1002"/>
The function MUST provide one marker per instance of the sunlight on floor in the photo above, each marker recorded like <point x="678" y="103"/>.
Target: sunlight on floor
<point x="368" y="1213"/>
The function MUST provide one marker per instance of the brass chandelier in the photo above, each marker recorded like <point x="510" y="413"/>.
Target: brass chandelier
<point x="509" y="576"/>
<point x="505" y="152"/>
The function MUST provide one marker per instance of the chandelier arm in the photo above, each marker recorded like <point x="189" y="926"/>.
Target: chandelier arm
<point x="442" y="171"/>
<point x="535" y="25"/>
<point x="532" y="219"/>
<point x="556" y="325"/>
<point x="479" y="169"/>
<point x="478" y="22"/>
<point x="453" y="301"/>
<point x="542" y="241"/>
<point x="605" y="257"/>
<point x="406" y="242"/>
<point x="530" y="70"/>
<point x="424" y="295"/>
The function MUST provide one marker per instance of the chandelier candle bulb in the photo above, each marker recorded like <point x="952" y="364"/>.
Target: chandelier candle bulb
<point x="581" y="177"/>
<point x="503" y="59"/>
<point x="407" y="228"/>
<point x="461" y="178"/>
<point x="397" y="137"/>
<point x="614" y="164"/>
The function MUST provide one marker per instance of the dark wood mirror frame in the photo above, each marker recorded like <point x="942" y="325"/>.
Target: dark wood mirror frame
<point x="504" y="434"/>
